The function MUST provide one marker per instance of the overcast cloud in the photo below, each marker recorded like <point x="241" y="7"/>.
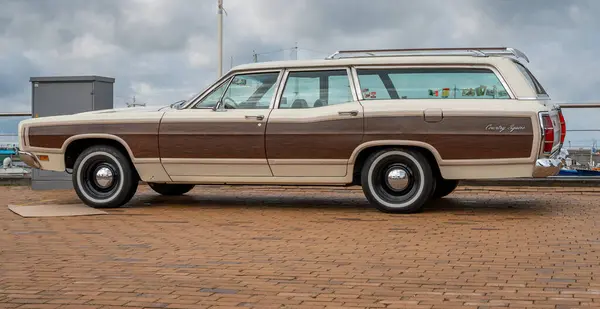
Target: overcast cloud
<point x="162" y="51"/>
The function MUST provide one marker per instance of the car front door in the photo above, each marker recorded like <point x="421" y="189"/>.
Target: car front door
<point x="316" y="126"/>
<point x="223" y="133"/>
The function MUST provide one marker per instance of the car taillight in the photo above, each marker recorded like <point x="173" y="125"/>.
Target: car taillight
<point x="563" y="127"/>
<point x="548" y="133"/>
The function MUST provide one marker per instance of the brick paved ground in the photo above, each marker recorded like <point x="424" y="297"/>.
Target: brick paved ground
<point x="305" y="248"/>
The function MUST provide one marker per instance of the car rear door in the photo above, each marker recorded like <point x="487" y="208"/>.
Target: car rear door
<point x="316" y="125"/>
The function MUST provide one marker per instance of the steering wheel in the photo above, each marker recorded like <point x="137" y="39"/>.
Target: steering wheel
<point x="231" y="104"/>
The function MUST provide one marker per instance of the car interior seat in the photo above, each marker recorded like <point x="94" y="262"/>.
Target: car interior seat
<point x="299" y="103"/>
<point x="319" y="103"/>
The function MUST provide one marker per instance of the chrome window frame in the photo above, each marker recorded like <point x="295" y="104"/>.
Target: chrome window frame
<point x="194" y="100"/>
<point x="228" y="79"/>
<point x="493" y="69"/>
<point x="534" y="80"/>
<point x="316" y="69"/>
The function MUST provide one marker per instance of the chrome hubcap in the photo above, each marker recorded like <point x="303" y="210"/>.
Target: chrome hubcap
<point x="397" y="179"/>
<point x="104" y="177"/>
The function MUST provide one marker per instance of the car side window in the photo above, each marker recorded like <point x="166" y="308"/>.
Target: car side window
<point x="312" y="89"/>
<point x="213" y="98"/>
<point x="251" y="91"/>
<point x="433" y="83"/>
<point x="372" y="87"/>
<point x="246" y="91"/>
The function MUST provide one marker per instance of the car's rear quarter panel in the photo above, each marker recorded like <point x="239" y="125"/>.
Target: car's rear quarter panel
<point x="457" y="137"/>
<point x="473" y="140"/>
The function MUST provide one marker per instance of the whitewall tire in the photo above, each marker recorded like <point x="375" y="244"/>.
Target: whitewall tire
<point x="397" y="180"/>
<point x="103" y="177"/>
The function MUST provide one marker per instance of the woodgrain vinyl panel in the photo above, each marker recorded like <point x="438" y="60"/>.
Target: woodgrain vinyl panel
<point x="225" y="140"/>
<point x="330" y="139"/>
<point x="464" y="137"/>
<point x="142" y="138"/>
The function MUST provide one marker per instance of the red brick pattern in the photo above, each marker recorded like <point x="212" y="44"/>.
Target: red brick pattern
<point x="290" y="247"/>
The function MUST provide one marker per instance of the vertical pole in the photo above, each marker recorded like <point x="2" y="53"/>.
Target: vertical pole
<point x="220" y="34"/>
<point x="297" y="85"/>
<point x="254" y="56"/>
<point x="296" y="51"/>
<point x="591" y="155"/>
<point x="231" y="63"/>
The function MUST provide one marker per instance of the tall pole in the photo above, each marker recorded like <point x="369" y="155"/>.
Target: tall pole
<point x="297" y="85"/>
<point x="592" y="154"/>
<point x="220" y="34"/>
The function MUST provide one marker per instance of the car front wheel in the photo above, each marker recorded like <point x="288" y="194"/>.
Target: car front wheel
<point x="170" y="189"/>
<point x="397" y="180"/>
<point x="104" y="177"/>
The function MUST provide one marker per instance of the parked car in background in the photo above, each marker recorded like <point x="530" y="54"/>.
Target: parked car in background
<point x="406" y="125"/>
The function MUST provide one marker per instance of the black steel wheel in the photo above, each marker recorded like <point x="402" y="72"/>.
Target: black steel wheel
<point x="104" y="177"/>
<point x="397" y="180"/>
<point x="444" y="187"/>
<point x="171" y="189"/>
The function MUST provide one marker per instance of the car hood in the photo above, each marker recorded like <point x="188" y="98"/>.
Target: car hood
<point x="126" y="115"/>
<point x="125" y="110"/>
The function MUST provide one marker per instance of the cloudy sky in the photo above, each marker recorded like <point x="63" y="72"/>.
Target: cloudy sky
<point x="161" y="51"/>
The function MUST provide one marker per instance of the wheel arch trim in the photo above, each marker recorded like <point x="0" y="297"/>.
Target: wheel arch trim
<point x="370" y="144"/>
<point x="78" y="137"/>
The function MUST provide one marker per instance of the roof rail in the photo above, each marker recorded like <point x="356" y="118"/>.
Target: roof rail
<point x="473" y="51"/>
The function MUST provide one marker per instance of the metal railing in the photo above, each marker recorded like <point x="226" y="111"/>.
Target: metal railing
<point x="16" y="114"/>
<point x="576" y="153"/>
<point x="3" y="115"/>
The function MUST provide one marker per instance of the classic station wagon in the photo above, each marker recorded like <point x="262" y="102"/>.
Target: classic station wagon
<point x="406" y="125"/>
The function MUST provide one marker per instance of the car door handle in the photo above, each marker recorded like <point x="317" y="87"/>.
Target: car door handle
<point x="259" y="117"/>
<point x="351" y="113"/>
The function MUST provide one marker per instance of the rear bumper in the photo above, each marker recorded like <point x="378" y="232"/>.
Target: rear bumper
<point x="29" y="159"/>
<point x="546" y="168"/>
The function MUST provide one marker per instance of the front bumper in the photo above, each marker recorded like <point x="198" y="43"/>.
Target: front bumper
<point x="29" y="159"/>
<point x="546" y="168"/>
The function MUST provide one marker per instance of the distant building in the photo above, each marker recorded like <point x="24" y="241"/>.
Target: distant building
<point x="580" y="158"/>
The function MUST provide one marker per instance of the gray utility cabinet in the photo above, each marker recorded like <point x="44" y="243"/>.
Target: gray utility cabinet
<point x="65" y="95"/>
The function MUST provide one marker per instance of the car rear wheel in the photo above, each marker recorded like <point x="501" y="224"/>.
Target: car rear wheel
<point x="170" y="188"/>
<point x="397" y="180"/>
<point x="103" y="177"/>
<point x="444" y="187"/>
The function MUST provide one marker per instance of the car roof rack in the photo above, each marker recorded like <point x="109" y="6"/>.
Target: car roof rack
<point x="465" y="51"/>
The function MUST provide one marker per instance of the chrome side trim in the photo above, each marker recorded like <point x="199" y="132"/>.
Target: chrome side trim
<point x="541" y="153"/>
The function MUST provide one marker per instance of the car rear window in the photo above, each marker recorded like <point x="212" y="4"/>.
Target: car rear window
<point x="533" y="82"/>
<point x="430" y="83"/>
